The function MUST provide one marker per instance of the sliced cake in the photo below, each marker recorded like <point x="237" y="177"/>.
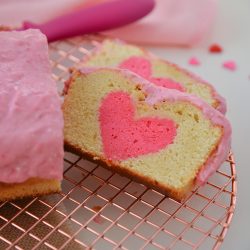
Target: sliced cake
<point x="164" y="138"/>
<point x="31" y="120"/>
<point x="114" y="53"/>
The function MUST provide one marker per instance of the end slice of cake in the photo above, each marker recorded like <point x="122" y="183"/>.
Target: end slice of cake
<point x="115" y="53"/>
<point x="163" y="138"/>
<point x="31" y="120"/>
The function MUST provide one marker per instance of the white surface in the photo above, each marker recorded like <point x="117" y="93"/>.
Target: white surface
<point x="232" y="31"/>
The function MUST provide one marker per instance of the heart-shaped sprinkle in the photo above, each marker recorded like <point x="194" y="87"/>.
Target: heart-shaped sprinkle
<point x="194" y="61"/>
<point x="124" y="136"/>
<point x="230" y="65"/>
<point x="215" y="48"/>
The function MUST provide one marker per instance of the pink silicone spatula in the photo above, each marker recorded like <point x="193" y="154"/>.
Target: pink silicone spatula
<point x="107" y="15"/>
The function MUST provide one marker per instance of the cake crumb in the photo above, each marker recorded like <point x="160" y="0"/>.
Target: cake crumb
<point x="97" y="208"/>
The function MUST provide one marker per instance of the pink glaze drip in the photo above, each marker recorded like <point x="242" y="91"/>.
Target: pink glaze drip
<point x="31" y="121"/>
<point x="166" y="83"/>
<point x="125" y="137"/>
<point x="143" y="67"/>
<point x="158" y="94"/>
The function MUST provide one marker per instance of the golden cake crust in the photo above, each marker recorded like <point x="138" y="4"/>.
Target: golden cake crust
<point x="31" y="188"/>
<point x="178" y="195"/>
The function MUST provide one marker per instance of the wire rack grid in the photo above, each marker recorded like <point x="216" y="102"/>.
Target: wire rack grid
<point x="99" y="209"/>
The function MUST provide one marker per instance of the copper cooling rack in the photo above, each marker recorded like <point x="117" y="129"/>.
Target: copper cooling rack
<point x="99" y="209"/>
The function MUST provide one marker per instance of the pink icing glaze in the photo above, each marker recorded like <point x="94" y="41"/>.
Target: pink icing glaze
<point x="158" y="94"/>
<point x="166" y="83"/>
<point x="143" y="67"/>
<point x="31" y="121"/>
<point x="124" y="137"/>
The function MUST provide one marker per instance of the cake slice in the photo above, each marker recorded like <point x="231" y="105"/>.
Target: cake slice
<point x="114" y="53"/>
<point x="31" y="120"/>
<point x="163" y="138"/>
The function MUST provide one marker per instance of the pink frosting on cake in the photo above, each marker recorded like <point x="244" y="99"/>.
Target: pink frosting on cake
<point x="124" y="136"/>
<point x="158" y="94"/>
<point x="31" y="121"/>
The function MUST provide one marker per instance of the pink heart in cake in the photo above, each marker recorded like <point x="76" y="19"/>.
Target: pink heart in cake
<point x="124" y="136"/>
<point x="143" y="67"/>
<point x="138" y="65"/>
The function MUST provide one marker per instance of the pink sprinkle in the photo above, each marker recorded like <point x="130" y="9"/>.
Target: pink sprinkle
<point x="194" y="61"/>
<point x="230" y="65"/>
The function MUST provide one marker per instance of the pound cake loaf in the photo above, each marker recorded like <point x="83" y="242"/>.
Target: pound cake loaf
<point x="163" y="138"/>
<point x="31" y="120"/>
<point x="114" y="53"/>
